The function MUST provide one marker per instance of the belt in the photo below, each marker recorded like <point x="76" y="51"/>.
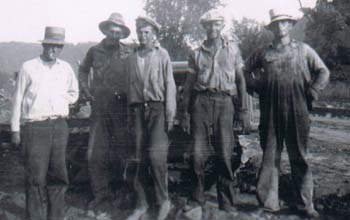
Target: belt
<point x="147" y="104"/>
<point x="46" y="118"/>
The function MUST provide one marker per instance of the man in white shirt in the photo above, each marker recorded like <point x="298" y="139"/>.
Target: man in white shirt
<point x="45" y="88"/>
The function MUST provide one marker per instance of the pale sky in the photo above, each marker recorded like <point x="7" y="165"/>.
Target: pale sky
<point x="25" y="20"/>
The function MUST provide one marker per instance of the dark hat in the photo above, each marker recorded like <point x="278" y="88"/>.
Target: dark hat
<point x="149" y="21"/>
<point x="54" y="35"/>
<point x="115" y="19"/>
<point x="212" y="15"/>
<point x="276" y="15"/>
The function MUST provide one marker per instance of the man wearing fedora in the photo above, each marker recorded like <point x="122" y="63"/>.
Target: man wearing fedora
<point x="152" y="101"/>
<point x="107" y="92"/>
<point x="293" y="75"/>
<point x="45" y="88"/>
<point x="216" y="79"/>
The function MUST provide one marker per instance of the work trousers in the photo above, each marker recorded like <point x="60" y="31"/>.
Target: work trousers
<point x="289" y="126"/>
<point x="151" y="151"/>
<point x="44" y="145"/>
<point x="107" y="147"/>
<point x="212" y="129"/>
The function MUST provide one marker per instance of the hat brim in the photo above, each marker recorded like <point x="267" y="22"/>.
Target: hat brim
<point x="204" y="22"/>
<point x="292" y="20"/>
<point x="150" y="22"/>
<point x="104" y="24"/>
<point x="53" y="42"/>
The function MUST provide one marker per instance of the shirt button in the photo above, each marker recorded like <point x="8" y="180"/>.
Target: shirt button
<point x="146" y="104"/>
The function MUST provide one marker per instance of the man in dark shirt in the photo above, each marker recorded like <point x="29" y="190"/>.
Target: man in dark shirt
<point x="107" y="92"/>
<point x="292" y="76"/>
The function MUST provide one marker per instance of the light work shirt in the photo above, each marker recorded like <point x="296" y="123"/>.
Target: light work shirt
<point x="43" y="91"/>
<point x="216" y="71"/>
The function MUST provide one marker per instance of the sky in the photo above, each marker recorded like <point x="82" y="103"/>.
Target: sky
<point x="25" y="20"/>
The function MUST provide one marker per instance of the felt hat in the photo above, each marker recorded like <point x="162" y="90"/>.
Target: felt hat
<point x="115" y="19"/>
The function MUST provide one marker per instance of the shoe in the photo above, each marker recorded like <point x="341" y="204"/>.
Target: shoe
<point x="103" y="216"/>
<point x="312" y="213"/>
<point x="191" y="205"/>
<point x="164" y="210"/>
<point x="137" y="213"/>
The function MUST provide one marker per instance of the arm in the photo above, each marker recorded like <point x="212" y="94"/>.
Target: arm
<point x="253" y="63"/>
<point x="170" y="92"/>
<point x="21" y="85"/>
<point x="73" y="88"/>
<point x="240" y="82"/>
<point x="242" y="111"/>
<point x="84" y="71"/>
<point x="317" y="67"/>
<point x="189" y="82"/>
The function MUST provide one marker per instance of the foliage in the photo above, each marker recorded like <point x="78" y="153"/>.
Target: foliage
<point x="328" y="32"/>
<point x="180" y="22"/>
<point x="251" y="35"/>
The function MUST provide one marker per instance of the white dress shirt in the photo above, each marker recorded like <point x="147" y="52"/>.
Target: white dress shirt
<point x="43" y="91"/>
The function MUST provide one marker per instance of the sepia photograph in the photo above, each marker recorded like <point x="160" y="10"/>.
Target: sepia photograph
<point x="175" y="110"/>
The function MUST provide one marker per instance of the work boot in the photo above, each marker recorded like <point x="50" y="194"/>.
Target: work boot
<point x="312" y="213"/>
<point x="138" y="213"/>
<point x="164" y="210"/>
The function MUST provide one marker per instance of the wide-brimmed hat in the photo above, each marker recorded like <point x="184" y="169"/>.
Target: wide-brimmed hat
<point x="54" y="35"/>
<point x="279" y="15"/>
<point x="212" y="15"/>
<point x="115" y="19"/>
<point x="149" y="21"/>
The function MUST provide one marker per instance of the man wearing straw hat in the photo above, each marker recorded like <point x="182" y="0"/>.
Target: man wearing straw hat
<point x="216" y="78"/>
<point x="152" y="101"/>
<point x="106" y="90"/>
<point x="292" y="78"/>
<point x="45" y="88"/>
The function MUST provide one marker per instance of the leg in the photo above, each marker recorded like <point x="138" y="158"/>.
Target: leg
<point x="223" y="145"/>
<point x="296" y="141"/>
<point x="36" y="140"/>
<point x="267" y="188"/>
<point x="158" y="153"/>
<point x="98" y="163"/>
<point x="200" y="131"/>
<point x="57" y="174"/>
<point x="137" y="117"/>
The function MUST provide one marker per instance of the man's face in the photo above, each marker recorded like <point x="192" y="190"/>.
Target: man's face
<point x="281" y="28"/>
<point x="114" y="33"/>
<point x="146" y="34"/>
<point x="51" y="51"/>
<point x="213" y="29"/>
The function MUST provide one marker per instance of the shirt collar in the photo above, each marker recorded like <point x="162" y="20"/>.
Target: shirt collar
<point x="225" y="43"/>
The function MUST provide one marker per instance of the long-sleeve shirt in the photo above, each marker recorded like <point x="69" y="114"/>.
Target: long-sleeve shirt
<point x="107" y="63"/>
<point x="155" y="83"/>
<point x="43" y="91"/>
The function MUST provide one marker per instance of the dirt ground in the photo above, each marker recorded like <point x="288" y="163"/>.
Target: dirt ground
<point x="329" y="153"/>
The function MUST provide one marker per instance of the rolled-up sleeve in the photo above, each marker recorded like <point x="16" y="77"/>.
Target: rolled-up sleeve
<point x="318" y="68"/>
<point x="20" y="88"/>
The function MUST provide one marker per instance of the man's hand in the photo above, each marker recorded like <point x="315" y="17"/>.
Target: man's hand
<point x="16" y="138"/>
<point x="242" y="122"/>
<point x="312" y="93"/>
<point x="185" y="123"/>
<point x="169" y="126"/>
<point x="87" y="95"/>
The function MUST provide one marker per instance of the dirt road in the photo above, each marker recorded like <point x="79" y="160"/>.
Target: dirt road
<point x="329" y="153"/>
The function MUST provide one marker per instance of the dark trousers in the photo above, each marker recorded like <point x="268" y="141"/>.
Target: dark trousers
<point x="151" y="151"/>
<point x="107" y="147"/>
<point x="44" y="145"/>
<point x="291" y="128"/>
<point x="212" y="126"/>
